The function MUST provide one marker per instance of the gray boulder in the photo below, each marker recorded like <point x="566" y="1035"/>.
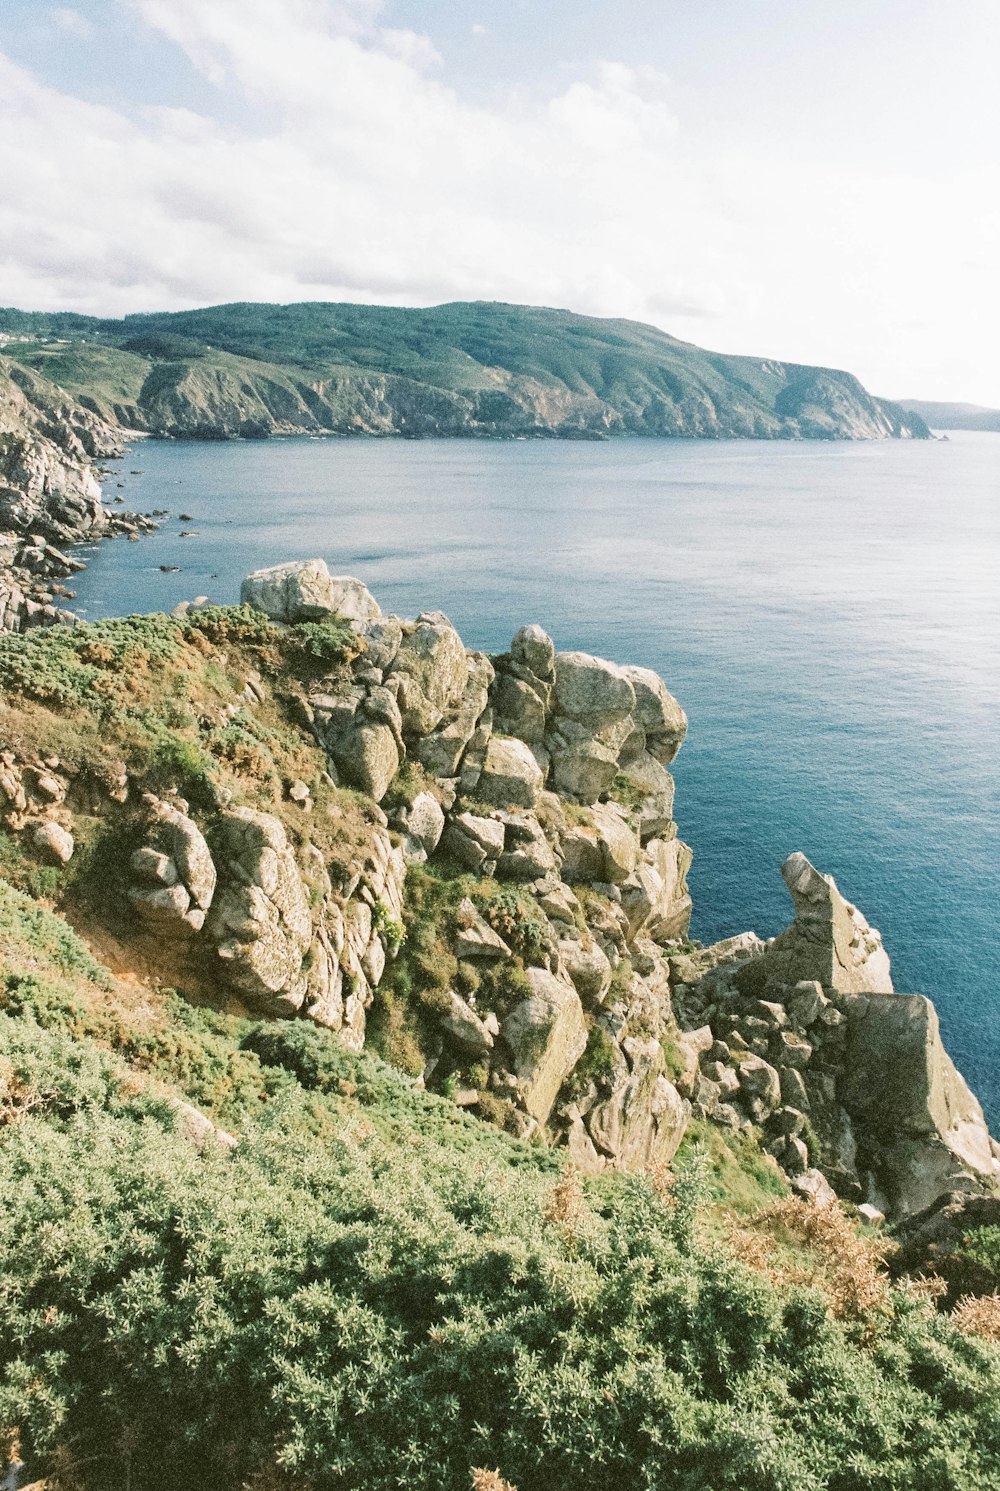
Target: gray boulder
<point x="511" y="776"/>
<point x="590" y="690"/>
<point x="304" y="590"/>
<point x="534" y="650"/>
<point x="430" y="672"/>
<point x="465" y="1027"/>
<point x="658" y="712"/>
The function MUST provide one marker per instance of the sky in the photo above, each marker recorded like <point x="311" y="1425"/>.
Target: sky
<point x="813" y="180"/>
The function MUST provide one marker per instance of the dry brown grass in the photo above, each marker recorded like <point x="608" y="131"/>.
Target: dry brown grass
<point x="796" y="1242"/>
<point x="564" y="1203"/>
<point x="490" y="1480"/>
<point x="978" y="1315"/>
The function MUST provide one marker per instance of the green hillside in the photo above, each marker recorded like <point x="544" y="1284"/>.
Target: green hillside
<point x="477" y="368"/>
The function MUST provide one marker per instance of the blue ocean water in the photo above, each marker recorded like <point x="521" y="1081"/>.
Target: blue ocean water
<point x="829" y="615"/>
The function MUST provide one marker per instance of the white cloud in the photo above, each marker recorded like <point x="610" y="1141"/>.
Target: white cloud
<point x="366" y="176"/>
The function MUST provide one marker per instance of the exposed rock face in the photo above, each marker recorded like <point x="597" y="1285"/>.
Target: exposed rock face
<point x="919" y="1128"/>
<point x="173" y="874"/>
<point x="49" y="495"/>
<point x="547" y="1036"/>
<point x="261" y="922"/>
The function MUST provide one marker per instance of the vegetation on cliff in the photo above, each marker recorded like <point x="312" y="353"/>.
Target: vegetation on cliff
<point x="240" y="1250"/>
<point x="476" y="368"/>
<point x="371" y="1289"/>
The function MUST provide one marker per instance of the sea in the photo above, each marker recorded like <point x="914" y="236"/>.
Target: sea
<point x="827" y="613"/>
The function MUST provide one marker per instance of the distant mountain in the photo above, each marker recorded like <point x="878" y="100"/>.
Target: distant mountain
<point x="953" y="416"/>
<point x="467" y="369"/>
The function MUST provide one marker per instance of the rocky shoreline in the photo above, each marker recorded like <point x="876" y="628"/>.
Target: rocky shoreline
<point x="50" y="497"/>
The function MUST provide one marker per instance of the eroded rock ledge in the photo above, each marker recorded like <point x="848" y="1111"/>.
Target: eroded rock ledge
<point x="513" y="912"/>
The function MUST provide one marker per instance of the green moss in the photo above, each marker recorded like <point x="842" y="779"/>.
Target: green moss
<point x="596" y="1064"/>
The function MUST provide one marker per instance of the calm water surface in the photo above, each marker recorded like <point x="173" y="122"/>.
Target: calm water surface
<point x="829" y="615"/>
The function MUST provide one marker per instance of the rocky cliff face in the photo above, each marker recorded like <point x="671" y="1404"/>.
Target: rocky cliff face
<point x="50" y="495"/>
<point x="311" y="809"/>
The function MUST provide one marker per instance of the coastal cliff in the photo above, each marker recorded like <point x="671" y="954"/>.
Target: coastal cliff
<point x="477" y="369"/>
<point x="317" y="810"/>
<point x="50" y="495"/>
<point x="369" y="1117"/>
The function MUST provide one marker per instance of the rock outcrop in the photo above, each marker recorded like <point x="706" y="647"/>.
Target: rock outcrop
<point x="809" y="1041"/>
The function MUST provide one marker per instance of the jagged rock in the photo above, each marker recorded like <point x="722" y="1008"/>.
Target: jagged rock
<point x="465" y="727"/>
<point x="792" y="1050"/>
<point x="164" y="906"/>
<point x="180" y="838"/>
<point x="422" y="822"/>
<point x="261" y="921"/>
<point x="382" y="636"/>
<point x="148" y="864"/>
<point x="919" y="1128"/>
<point x="473" y="841"/>
<point x="793" y="1089"/>
<point x="806" y="1002"/>
<point x="582" y="766"/>
<point x="658" y="712"/>
<point x="547" y="1035"/>
<point x="760" y="1086"/>
<point x="645" y="1117"/>
<point x="430" y="672"/>
<point x="558" y="902"/>
<point x="465" y="1027"/>
<point x="475" y="937"/>
<point x="655" y="898"/>
<point x="520" y="711"/>
<point x="367" y="756"/>
<point x="54" y="841"/>
<point x="693" y="1045"/>
<point x="534" y="649"/>
<point x="588" y="968"/>
<point x="689" y="968"/>
<point x="582" y="861"/>
<point x="304" y="590"/>
<point x="527" y="853"/>
<point x="590" y="690"/>
<point x="829" y="940"/>
<point x="813" y="1186"/>
<point x="619" y="844"/>
<point x="510" y="776"/>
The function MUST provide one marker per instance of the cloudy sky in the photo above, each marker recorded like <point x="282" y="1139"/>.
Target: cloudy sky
<point x="814" y="180"/>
